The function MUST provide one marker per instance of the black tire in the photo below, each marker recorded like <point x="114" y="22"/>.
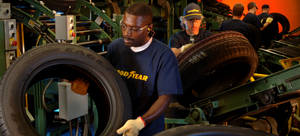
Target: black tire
<point x="62" y="61"/>
<point x="211" y="130"/>
<point x="219" y="62"/>
<point x="283" y="21"/>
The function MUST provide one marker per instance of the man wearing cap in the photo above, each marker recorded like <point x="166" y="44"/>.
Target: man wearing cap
<point x="236" y="24"/>
<point x="251" y="17"/>
<point x="268" y="33"/>
<point x="191" y="21"/>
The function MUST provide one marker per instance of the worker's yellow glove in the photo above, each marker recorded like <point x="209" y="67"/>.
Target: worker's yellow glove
<point x="269" y="20"/>
<point x="186" y="46"/>
<point x="132" y="127"/>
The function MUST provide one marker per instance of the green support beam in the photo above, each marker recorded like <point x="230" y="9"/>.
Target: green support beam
<point x="41" y="7"/>
<point x="244" y="98"/>
<point x="116" y="27"/>
<point x="2" y="49"/>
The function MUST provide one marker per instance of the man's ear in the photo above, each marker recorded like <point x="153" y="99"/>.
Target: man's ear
<point x="150" y="30"/>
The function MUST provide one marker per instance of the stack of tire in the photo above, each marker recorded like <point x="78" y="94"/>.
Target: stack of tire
<point x="216" y="7"/>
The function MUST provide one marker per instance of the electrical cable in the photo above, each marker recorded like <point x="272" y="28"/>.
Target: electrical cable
<point x="43" y="96"/>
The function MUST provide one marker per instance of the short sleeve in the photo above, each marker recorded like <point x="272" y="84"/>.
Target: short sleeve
<point x="168" y="79"/>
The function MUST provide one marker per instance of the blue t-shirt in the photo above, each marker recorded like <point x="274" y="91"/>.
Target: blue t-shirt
<point x="252" y="19"/>
<point x="148" y="74"/>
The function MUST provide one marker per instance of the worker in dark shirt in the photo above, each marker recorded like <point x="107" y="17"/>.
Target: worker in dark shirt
<point x="251" y="17"/>
<point x="269" y="32"/>
<point x="236" y="24"/>
<point x="191" y="33"/>
<point x="149" y="69"/>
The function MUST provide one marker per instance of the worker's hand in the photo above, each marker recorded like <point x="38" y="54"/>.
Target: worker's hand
<point x="269" y="20"/>
<point x="132" y="127"/>
<point x="80" y="86"/>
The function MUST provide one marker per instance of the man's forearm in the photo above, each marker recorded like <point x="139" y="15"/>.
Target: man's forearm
<point x="176" y="51"/>
<point x="264" y="26"/>
<point x="157" y="108"/>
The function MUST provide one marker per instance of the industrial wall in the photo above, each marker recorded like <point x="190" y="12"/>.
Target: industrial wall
<point x="289" y="8"/>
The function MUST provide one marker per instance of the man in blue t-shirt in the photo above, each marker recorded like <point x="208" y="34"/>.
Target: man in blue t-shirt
<point x="149" y="69"/>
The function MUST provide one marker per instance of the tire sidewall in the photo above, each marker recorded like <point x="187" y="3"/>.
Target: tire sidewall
<point x="13" y="85"/>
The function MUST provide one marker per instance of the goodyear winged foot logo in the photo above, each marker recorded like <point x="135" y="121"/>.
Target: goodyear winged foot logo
<point x="132" y="75"/>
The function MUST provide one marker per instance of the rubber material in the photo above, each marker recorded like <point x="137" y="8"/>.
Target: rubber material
<point x="219" y="62"/>
<point x="63" y="61"/>
<point x="281" y="19"/>
<point x="210" y="130"/>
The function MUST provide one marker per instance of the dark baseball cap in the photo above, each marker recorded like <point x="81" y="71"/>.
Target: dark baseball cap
<point x="265" y="6"/>
<point x="252" y="5"/>
<point x="192" y="11"/>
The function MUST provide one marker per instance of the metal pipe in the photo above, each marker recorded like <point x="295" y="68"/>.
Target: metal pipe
<point x="70" y="127"/>
<point x="297" y="130"/>
<point x="88" y="31"/>
<point x="272" y="52"/>
<point x="102" y="53"/>
<point x="77" y="128"/>
<point x="22" y="37"/>
<point x="259" y="75"/>
<point x="50" y="23"/>
<point x="91" y="42"/>
<point x="43" y="96"/>
<point x="86" y="126"/>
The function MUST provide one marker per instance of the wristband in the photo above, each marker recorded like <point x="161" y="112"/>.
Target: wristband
<point x="142" y="120"/>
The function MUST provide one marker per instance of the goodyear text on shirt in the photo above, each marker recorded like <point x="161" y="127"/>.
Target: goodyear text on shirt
<point x="132" y="75"/>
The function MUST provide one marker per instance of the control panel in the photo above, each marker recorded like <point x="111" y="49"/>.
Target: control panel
<point x="65" y="27"/>
<point x="10" y="34"/>
<point x="8" y="43"/>
<point x="5" y="10"/>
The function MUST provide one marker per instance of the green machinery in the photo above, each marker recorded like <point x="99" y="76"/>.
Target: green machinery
<point x="8" y="38"/>
<point x="95" y="27"/>
<point x="276" y="94"/>
<point x="247" y="99"/>
<point x="258" y="98"/>
<point x="40" y="19"/>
